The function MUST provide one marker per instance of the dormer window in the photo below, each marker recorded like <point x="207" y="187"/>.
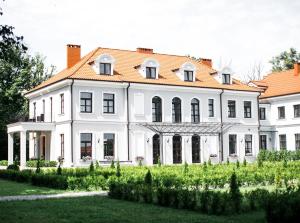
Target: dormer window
<point x="104" y="65"/>
<point x="149" y="68"/>
<point x="105" y="68"/>
<point x="186" y="72"/>
<point x="150" y="72"/>
<point x="188" y="75"/>
<point x="226" y="78"/>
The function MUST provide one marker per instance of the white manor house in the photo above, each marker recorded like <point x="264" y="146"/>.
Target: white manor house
<point x="134" y="106"/>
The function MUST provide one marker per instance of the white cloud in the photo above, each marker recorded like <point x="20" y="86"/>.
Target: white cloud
<point x="243" y="32"/>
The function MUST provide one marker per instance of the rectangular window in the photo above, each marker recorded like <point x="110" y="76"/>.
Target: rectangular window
<point x="188" y="75"/>
<point x="232" y="144"/>
<point x="51" y="107"/>
<point x="109" y="145"/>
<point x="263" y="142"/>
<point x="211" y="108"/>
<point x="231" y="109"/>
<point x="296" y="111"/>
<point x="297" y="141"/>
<point x="105" y="68"/>
<point x="262" y="113"/>
<point x="62" y="104"/>
<point x="44" y="106"/>
<point x="226" y="78"/>
<point x="247" y="109"/>
<point x="86" y="145"/>
<point x="195" y="113"/>
<point x="62" y="145"/>
<point x="248" y="144"/>
<point x="281" y="112"/>
<point x="86" y="102"/>
<point x="34" y="110"/>
<point x="108" y="103"/>
<point x="151" y="72"/>
<point x="282" y="142"/>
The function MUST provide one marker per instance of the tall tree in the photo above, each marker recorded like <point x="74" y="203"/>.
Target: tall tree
<point x="285" y="60"/>
<point x="19" y="72"/>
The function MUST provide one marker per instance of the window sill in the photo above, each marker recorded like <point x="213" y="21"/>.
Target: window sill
<point x="62" y="114"/>
<point x="109" y="114"/>
<point x="86" y="113"/>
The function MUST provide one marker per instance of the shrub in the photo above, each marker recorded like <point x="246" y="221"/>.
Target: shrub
<point x="43" y="163"/>
<point x="19" y="176"/>
<point x="59" y="170"/>
<point x="13" y="167"/>
<point x="118" y="170"/>
<point x="92" y="167"/>
<point x="185" y="168"/>
<point x="235" y="194"/>
<point x="112" y="164"/>
<point x="283" y="207"/>
<point x="52" y="181"/>
<point x="38" y="169"/>
<point x="3" y="163"/>
<point x="237" y="164"/>
<point x="245" y="162"/>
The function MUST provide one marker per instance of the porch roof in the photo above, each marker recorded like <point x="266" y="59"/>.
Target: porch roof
<point x="30" y="126"/>
<point x="186" y="128"/>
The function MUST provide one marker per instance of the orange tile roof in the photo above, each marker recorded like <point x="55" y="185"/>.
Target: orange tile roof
<point x="125" y="71"/>
<point x="279" y="84"/>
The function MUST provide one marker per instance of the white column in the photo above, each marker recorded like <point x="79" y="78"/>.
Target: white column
<point x="183" y="146"/>
<point x="23" y="149"/>
<point x="10" y="148"/>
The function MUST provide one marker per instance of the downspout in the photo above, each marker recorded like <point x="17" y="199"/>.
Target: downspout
<point x="72" y="158"/>
<point x="221" y="130"/>
<point x="258" y="119"/>
<point x="128" y="122"/>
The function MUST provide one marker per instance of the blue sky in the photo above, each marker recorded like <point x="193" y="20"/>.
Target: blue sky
<point x="231" y="32"/>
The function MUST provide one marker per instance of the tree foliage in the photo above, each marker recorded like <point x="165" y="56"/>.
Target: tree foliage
<point x="285" y="60"/>
<point x="19" y="72"/>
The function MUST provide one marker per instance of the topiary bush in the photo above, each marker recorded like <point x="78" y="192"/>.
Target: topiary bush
<point x="13" y="167"/>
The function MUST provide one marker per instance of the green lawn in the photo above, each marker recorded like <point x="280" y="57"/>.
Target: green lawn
<point x="9" y="188"/>
<point x="104" y="209"/>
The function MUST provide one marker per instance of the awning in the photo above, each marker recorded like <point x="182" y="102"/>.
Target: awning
<point x="187" y="128"/>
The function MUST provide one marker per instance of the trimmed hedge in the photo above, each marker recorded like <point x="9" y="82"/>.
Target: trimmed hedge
<point x="266" y="155"/>
<point x="43" y="163"/>
<point x="91" y="182"/>
<point x="3" y="163"/>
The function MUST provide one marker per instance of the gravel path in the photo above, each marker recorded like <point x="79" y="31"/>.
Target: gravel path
<point x="49" y="196"/>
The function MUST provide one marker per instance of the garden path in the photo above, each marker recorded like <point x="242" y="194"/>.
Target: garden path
<point x="50" y="196"/>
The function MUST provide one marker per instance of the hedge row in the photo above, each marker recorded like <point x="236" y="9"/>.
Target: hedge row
<point x="280" y="206"/>
<point x="266" y="155"/>
<point x="91" y="182"/>
<point x="43" y="163"/>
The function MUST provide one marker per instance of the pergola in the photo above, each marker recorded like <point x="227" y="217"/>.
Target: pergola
<point x="187" y="128"/>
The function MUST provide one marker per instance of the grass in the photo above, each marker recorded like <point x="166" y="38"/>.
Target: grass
<point x="103" y="209"/>
<point x="10" y="188"/>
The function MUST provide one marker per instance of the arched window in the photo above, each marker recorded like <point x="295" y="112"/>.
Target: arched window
<point x="195" y="115"/>
<point x="196" y="149"/>
<point x="176" y="110"/>
<point x="156" y="109"/>
<point x="177" y="157"/>
<point x="156" y="148"/>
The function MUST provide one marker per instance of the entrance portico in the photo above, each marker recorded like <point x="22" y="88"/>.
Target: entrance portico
<point x="32" y="127"/>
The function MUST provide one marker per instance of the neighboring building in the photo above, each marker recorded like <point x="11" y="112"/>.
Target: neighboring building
<point x="139" y="105"/>
<point x="279" y="110"/>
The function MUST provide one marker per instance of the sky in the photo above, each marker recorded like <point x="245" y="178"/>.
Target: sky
<point x="235" y="33"/>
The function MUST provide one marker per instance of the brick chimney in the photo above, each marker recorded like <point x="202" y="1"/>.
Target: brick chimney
<point x="73" y="54"/>
<point x="144" y="50"/>
<point x="297" y="68"/>
<point x="207" y="62"/>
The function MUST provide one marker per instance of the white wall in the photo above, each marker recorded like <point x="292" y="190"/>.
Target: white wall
<point x="289" y="125"/>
